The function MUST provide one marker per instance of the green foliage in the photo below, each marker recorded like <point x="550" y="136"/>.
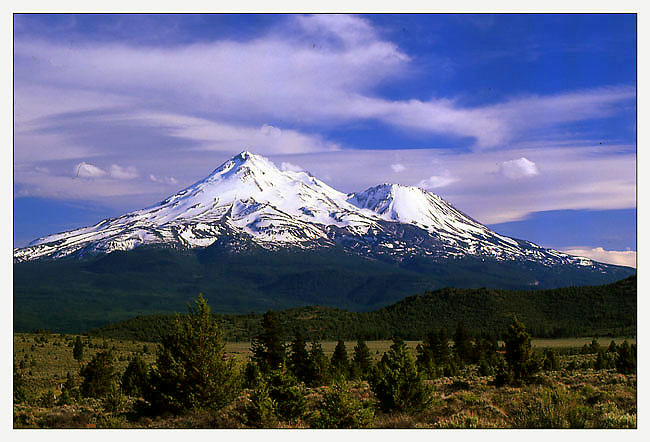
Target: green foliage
<point x="135" y="378"/>
<point x="397" y="383"/>
<point x="75" y="295"/>
<point x="299" y="358"/>
<point x="519" y="355"/>
<point x="20" y="394"/>
<point x="98" y="375"/>
<point x="290" y="402"/>
<point x="47" y="399"/>
<point x="462" y="343"/>
<point x="70" y="392"/>
<point x="626" y="358"/>
<point x="268" y="347"/>
<point x="252" y="374"/>
<point x="361" y="366"/>
<point x="340" y="409"/>
<point x="260" y="410"/>
<point x="319" y="369"/>
<point x="78" y="350"/>
<point x="191" y="371"/>
<point x="339" y="363"/>
<point x="550" y="360"/>
<point x="276" y="397"/>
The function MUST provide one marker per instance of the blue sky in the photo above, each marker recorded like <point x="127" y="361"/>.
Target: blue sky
<point x="525" y="122"/>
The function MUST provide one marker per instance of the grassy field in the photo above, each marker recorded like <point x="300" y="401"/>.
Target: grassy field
<point x="48" y="357"/>
<point x="569" y="397"/>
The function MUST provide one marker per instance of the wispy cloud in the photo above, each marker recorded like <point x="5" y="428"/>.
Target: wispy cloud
<point x="325" y="72"/>
<point x="437" y="181"/>
<point x="397" y="168"/>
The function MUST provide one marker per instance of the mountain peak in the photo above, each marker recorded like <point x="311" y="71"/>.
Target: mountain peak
<point x="249" y="196"/>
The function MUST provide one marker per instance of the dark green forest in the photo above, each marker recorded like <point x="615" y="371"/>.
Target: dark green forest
<point x="606" y="310"/>
<point x="72" y="295"/>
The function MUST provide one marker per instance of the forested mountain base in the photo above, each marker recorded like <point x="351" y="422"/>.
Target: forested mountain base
<point x="608" y="310"/>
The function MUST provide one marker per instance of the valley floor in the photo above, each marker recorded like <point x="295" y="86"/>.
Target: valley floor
<point x="574" y="396"/>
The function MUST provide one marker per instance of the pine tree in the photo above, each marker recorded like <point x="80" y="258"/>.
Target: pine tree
<point x="339" y="361"/>
<point x="424" y="355"/>
<point x="78" y="350"/>
<point x="519" y="353"/>
<point x="319" y="370"/>
<point x="98" y="375"/>
<point x="191" y="370"/>
<point x="626" y="358"/>
<point x="361" y="361"/>
<point x="299" y="358"/>
<point x="462" y="343"/>
<point x="397" y="383"/>
<point x="135" y="378"/>
<point x="267" y="347"/>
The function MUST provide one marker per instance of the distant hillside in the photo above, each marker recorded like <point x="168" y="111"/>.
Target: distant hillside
<point x="572" y="311"/>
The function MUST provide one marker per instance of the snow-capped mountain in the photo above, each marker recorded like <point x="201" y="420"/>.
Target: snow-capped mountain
<point x="251" y="201"/>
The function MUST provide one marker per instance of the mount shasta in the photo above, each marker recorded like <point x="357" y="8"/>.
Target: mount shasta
<point x="248" y="198"/>
<point x="254" y="236"/>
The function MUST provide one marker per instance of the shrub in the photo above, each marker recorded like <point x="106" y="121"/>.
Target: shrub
<point x="98" y="375"/>
<point x="626" y="358"/>
<point x="260" y="411"/>
<point x="397" y="383"/>
<point x="550" y="361"/>
<point x="339" y="409"/>
<point x="275" y="397"/>
<point x="135" y="378"/>
<point x="290" y="403"/>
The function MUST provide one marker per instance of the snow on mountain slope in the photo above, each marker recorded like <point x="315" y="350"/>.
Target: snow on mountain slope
<point x="247" y="196"/>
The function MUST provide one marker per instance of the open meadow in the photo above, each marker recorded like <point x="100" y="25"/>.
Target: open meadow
<point x="575" y="395"/>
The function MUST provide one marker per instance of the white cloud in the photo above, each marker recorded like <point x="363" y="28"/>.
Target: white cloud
<point x="397" y="168"/>
<point x="163" y="180"/>
<point x="437" y="181"/>
<point x="290" y="167"/>
<point x="519" y="168"/>
<point x="87" y="170"/>
<point x="623" y="258"/>
<point x="123" y="173"/>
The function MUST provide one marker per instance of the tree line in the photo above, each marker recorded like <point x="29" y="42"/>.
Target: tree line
<point x="608" y="310"/>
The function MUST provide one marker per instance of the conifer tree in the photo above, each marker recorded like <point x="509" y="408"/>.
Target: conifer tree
<point x="519" y="353"/>
<point x="78" y="350"/>
<point x="191" y="370"/>
<point x="397" y="383"/>
<point x="299" y="358"/>
<point x="268" y="347"/>
<point x="462" y="343"/>
<point x="135" y="378"/>
<point x="626" y="358"/>
<point x="361" y="360"/>
<point x="339" y="362"/>
<point x="319" y="370"/>
<point x="98" y="375"/>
